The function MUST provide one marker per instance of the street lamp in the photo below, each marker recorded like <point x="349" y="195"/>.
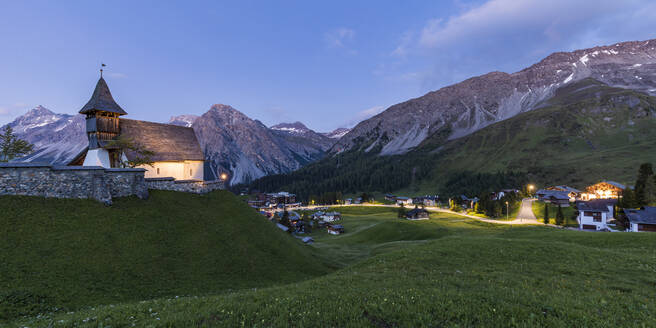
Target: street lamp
<point x="506" y="210"/>
<point x="223" y="176"/>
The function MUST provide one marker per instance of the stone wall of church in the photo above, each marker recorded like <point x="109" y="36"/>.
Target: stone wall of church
<point x="192" y="186"/>
<point x="90" y="182"/>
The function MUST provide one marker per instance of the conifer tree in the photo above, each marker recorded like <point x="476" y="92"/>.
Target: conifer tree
<point x="560" y="218"/>
<point x="11" y="146"/>
<point x="644" y="186"/>
<point x="546" y="213"/>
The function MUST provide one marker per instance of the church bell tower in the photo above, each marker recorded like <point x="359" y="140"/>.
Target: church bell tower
<point x="102" y="120"/>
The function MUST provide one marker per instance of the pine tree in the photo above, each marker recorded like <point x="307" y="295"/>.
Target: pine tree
<point x="546" y="213"/>
<point x="11" y="146"/>
<point x="644" y="186"/>
<point x="560" y="218"/>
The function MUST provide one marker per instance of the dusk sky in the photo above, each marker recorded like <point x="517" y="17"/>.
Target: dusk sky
<point x="328" y="64"/>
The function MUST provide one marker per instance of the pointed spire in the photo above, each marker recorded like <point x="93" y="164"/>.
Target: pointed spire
<point x="102" y="100"/>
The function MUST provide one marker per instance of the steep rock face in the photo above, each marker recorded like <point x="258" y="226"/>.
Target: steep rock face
<point x="57" y="138"/>
<point x="470" y="105"/>
<point x="247" y="149"/>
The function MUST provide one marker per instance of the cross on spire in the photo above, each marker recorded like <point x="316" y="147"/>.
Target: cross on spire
<point x="101" y="69"/>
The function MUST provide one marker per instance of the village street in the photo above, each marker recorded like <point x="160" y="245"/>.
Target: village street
<point x="525" y="215"/>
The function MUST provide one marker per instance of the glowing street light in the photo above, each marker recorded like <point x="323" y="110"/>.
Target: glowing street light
<point x="506" y="210"/>
<point x="223" y="176"/>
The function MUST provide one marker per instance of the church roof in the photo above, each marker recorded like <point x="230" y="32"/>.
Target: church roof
<point x="102" y="100"/>
<point x="168" y="142"/>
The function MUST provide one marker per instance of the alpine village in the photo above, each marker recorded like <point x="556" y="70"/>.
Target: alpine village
<point x="490" y="199"/>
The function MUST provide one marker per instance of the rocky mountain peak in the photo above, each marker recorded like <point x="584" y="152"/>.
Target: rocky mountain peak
<point x="337" y="133"/>
<point x="183" y="120"/>
<point x="296" y="127"/>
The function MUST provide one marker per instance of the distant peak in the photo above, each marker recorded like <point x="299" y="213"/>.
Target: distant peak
<point x="40" y="110"/>
<point x="220" y="107"/>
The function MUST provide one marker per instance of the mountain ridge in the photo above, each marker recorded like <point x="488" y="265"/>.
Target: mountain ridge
<point x="474" y="103"/>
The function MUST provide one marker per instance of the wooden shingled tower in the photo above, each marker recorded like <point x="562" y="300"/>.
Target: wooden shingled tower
<point x="102" y="122"/>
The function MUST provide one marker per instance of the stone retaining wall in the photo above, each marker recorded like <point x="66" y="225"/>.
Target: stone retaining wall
<point x="192" y="186"/>
<point x="93" y="182"/>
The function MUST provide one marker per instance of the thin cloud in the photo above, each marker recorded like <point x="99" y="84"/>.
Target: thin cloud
<point x="342" y="38"/>
<point x="509" y="35"/>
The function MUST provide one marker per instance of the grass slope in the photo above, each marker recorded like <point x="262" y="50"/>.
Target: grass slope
<point x="69" y="254"/>
<point x="449" y="271"/>
<point x="586" y="133"/>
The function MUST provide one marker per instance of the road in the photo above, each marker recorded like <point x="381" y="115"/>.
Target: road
<point x="525" y="215"/>
<point x="526" y="212"/>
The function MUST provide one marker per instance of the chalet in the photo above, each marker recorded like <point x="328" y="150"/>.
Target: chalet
<point x="643" y="219"/>
<point x="431" y="201"/>
<point x="595" y="214"/>
<point x="348" y="201"/>
<point x="417" y="214"/>
<point x="603" y="190"/>
<point x="308" y="240"/>
<point x="390" y="197"/>
<point x="403" y="200"/>
<point x="282" y="197"/>
<point x="572" y="192"/>
<point x="176" y="151"/>
<point x="556" y="197"/>
<point x="467" y="202"/>
<point x="335" y="229"/>
<point x="331" y="216"/>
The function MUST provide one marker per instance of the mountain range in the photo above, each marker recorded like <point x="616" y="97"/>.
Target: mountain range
<point x="574" y="117"/>
<point x="233" y="143"/>
<point x="475" y="103"/>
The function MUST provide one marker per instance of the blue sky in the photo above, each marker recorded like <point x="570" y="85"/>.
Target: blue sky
<point x="328" y="64"/>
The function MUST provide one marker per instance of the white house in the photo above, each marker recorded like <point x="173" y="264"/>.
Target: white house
<point x="403" y="200"/>
<point x="595" y="214"/>
<point x="643" y="219"/>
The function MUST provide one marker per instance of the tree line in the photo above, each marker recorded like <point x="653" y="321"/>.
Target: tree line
<point x="644" y="191"/>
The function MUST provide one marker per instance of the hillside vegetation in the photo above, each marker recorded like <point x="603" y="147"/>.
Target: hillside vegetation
<point x="59" y="254"/>
<point x="448" y="271"/>
<point x="587" y="132"/>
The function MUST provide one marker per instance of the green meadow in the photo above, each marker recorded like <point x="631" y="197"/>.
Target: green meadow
<point x="383" y="272"/>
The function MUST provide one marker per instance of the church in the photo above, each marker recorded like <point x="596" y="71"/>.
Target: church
<point x="177" y="153"/>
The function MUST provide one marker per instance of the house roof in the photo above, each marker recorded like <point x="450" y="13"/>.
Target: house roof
<point x="565" y="188"/>
<point x="597" y="205"/>
<point x="168" y="142"/>
<point x="616" y="184"/>
<point x="102" y="100"/>
<point x="415" y="211"/>
<point x="336" y="226"/>
<point x="645" y="215"/>
<point x="556" y="194"/>
<point x="402" y="198"/>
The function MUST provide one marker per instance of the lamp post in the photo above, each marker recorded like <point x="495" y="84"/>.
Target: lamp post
<point x="507" y="211"/>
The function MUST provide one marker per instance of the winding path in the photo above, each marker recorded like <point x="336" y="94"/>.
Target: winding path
<point x="525" y="215"/>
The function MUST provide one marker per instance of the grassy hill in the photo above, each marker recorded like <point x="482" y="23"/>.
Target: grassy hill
<point x="69" y="254"/>
<point x="587" y="132"/>
<point x="448" y="271"/>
